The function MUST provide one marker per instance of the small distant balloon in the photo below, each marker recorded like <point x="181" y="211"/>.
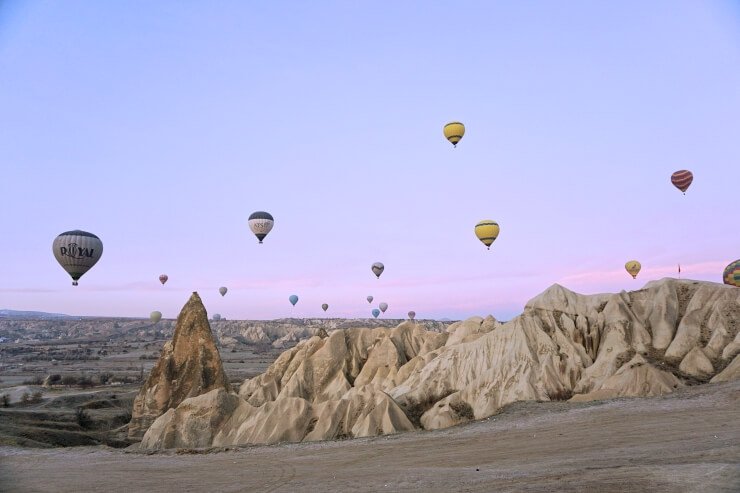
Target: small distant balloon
<point x="377" y="269"/>
<point x="454" y="132"/>
<point x="731" y="274"/>
<point x="682" y="179"/>
<point x="163" y="278"/>
<point x="376" y="312"/>
<point x="487" y="231"/>
<point x="155" y="317"/>
<point x="383" y="307"/>
<point x="216" y="317"/>
<point x="370" y="299"/>
<point x="223" y="290"/>
<point x="324" y="307"/>
<point x="293" y="299"/>
<point x="412" y="315"/>
<point x="633" y="267"/>
<point x="77" y="251"/>
<point x="261" y="224"/>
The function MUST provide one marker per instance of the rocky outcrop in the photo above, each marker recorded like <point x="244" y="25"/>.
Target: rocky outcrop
<point x="361" y="382"/>
<point x="189" y="366"/>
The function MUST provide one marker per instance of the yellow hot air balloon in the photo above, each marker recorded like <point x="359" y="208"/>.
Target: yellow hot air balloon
<point x="487" y="231"/>
<point x="633" y="267"/>
<point x="454" y="131"/>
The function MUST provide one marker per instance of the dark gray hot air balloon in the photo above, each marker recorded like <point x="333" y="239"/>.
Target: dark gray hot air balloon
<point x="261" y="224"/>
<point x="324" y="307"/>
<point x="412" y="315"/>
<point x="293" y="299"/>
<point x="155" y="317"/>
<point x="369" y="299"/>
<point x="163" y="278"/>
<point x="383" y="307"/>
<point x="223" y="290"/>
<point x="377" y="269"/>
<point x="376" y="312"/>
<point x="77" y="251"/>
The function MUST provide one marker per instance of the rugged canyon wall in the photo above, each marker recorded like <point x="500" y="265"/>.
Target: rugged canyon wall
<point x="366" y="382"/>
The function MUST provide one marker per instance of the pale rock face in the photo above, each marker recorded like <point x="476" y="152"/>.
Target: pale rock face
<point x="363" y="382"/>
<point x="190" y="365"/>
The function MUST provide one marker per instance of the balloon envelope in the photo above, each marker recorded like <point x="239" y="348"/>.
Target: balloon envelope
<point x="731" y="274"/>
<point x="77" y="251"/>
<point x="261" y="224"/>
<point x="293" y="299"/>
<point x="633" y="267"/>
<point x="453" y="132"/>
<point x="163" y="278"/>
<point x="377" y="269"/>
<point x="155" y="317"/>
<point x="370" y="299"/>
<point x="412" y="315"/>
<point x="383" y="307"/>
<point x="487" y="231"/>
<point x="324" y="307"/>
<point x="682" y="179"/>
<point x="223" y="290"/>
<point x="376" y="312"/>
<point x="216" y="317"/>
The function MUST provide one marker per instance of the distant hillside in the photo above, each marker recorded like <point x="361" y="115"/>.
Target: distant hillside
<point x="32" y="315"/>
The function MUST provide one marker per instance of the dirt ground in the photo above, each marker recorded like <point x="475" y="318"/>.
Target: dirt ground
<point x="685" y="442"/>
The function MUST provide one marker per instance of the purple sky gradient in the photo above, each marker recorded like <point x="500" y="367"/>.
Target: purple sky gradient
<point x="160" y="126"/>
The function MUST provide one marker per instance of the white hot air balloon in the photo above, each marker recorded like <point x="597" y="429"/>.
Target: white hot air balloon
<point x="261" y="224"/>
<point x="77" y="251"/>
<point x="223" y="290"/>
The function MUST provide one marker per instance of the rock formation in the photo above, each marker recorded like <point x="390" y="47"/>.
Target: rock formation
<point x="364" y="382"/>
<point x="189" y="366"/>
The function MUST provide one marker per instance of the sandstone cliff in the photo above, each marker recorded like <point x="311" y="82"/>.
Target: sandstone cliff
<point x="189" y="366"/>
<point x="363" y="382"/>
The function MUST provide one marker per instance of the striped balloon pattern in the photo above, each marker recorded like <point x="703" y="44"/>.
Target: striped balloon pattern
<point x="682" y="179"/>
<point x="163" y="278"/>
<point x="77" y="251"/>
<point x="453" y="132"/>
<point x="261" y="224"/>
<point x="731" y="275"/>
<point x="487" y="231"/>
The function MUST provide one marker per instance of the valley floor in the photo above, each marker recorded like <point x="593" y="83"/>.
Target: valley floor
<point x="684" y="442"/>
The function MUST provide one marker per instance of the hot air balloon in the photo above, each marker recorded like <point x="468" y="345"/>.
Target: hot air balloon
<point x="633" y="267"/>
<point x="487" y="231"/>
<point x="324" y="307"/>
<point x="223" y="290"/>
<point x="731" y="275"/>
<point x="261" y="223"/>
<point x="377" y="269"/>
<point x="77" y="251"/>
<point x="163" y="278"/>
<point x="369" y="299"/>
<point x="376" y="312"/>
<point x="155" y="317"/>
<point x="383" y="307"/>
<point x="682" y="179"/>
<point x="412" y="315"/>
<point x="454" y="131"/>
<point x="293" y="299"/>
<point x="216" y="317"/>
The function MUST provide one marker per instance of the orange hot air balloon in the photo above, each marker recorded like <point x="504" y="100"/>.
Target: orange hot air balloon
<point x="682" y="179"/>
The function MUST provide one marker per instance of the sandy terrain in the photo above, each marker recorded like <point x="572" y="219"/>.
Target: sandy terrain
<point x="686" y="441"/>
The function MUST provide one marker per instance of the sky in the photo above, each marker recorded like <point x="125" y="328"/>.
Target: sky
<point x="161" y="126"/>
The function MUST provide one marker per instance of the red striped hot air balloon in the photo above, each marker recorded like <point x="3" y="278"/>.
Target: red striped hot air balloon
<point x="682" y="179"/>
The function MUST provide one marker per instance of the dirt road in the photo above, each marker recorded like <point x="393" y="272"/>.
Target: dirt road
<point x="685" y="442"/>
